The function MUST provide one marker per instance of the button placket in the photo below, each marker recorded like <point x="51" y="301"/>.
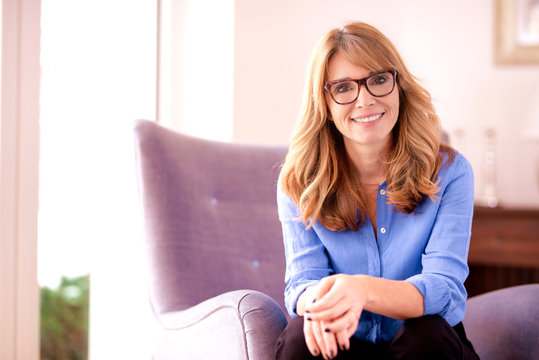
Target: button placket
<point x="382" y="192"/>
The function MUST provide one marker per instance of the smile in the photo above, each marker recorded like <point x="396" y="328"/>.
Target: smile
<point x="368" y="119"/>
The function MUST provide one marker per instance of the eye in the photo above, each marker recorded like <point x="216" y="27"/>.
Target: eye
<point x="379" y="79"/>
<point x="344" y="87"/>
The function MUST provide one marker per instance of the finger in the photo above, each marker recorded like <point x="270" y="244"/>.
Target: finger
<point x="330" y="341"/>
<point x="343" y="340"/>
<point x="352" y="329"/>
<point x="337" y="310"/>
<point x="310" y="340"/>
<point x="319" y="337"/>
<point x="343" y="328"/>
<point x="348" y="320"/>
<point x="327" y="295"/>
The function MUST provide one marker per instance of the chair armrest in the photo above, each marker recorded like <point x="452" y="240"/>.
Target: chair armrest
<point x="237" y="325"/>
<point x="503" y="324"/>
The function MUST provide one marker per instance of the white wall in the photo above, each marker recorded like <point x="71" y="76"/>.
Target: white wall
<point x="449" y="45"/>
<point x="196" y="67"/>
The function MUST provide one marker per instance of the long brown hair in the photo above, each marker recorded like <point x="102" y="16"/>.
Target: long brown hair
<point x="317" y="173"/>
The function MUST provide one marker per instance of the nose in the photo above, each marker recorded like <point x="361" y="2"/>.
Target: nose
<point x="364" y="98"/>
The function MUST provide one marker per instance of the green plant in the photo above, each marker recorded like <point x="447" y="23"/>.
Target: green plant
<point x="64" y="320"/>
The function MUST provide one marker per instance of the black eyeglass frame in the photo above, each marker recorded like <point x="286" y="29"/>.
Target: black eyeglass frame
<point x="362" y="81"/>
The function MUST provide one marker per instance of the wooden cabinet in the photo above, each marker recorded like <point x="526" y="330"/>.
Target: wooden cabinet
<point x="504" y="249"/>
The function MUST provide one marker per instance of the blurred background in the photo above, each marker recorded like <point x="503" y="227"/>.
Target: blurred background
<point x="234" y="70"/>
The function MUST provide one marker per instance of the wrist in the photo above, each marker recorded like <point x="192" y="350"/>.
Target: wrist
<point x="364" y="289"/>
<point x="306" y="297"/>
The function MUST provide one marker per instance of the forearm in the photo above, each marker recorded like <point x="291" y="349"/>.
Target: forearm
<point x="338" y="295"/>
<point x="391" y="298"/>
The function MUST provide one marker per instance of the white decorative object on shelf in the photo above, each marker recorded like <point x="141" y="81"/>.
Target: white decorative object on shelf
<point x="489" y="169"/>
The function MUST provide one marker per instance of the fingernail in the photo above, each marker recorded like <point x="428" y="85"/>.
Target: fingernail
<point x="331" y="354"/>
<point x="308" y="319"/>
<point x="316" y="353"/>
<point x="307" y="311"/>
<point x="314" y="300"/>
<point x="327" y="330"/>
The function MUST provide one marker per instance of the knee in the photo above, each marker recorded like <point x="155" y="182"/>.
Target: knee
<point x="427" y="337"/>
<point x="426" y="326"/>
<point x="291" y="342"/>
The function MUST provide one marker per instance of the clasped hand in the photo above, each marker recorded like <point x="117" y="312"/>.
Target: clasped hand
<point x="332" y="316"/>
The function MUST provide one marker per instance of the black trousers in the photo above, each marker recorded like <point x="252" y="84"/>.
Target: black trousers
<point x="427" y="337"/>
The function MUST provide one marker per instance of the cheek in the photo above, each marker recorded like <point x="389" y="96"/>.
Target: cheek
<point x="397" y="100"/>
<point x="332" y="111"/>
<point x="394" y="104"/>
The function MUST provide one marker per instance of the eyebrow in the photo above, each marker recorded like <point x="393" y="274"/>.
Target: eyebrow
<point x="350" y="78"/>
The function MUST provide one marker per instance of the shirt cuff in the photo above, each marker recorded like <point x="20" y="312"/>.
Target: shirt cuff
<point x="294" y="292"/>
<point x="435" y="291"/>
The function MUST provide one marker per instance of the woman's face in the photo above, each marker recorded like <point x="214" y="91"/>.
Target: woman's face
<point x="369" y="120"/>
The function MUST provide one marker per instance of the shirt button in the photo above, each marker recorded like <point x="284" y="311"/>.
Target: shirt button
<point x="382" y="192"/>
<point x="383" y="230"/>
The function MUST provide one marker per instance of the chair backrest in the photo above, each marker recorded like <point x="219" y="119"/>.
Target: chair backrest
<point x="210" y="217"/>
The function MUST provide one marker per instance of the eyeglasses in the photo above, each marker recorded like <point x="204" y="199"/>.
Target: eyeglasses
<point x="345" y="92"/>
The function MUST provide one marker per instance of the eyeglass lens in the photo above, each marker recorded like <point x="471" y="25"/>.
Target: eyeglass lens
<point x="347" y="91"/>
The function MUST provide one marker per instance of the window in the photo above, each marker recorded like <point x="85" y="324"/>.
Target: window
<point x="98" y="64"/>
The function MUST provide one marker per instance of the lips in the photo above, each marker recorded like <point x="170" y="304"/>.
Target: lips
<point x="367" y="119"/>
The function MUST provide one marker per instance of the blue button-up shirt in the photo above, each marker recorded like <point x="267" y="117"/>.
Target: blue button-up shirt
<point x="428" y="248"/>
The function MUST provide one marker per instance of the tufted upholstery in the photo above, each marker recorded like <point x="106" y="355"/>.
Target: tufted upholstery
<point x="212" y="228"/>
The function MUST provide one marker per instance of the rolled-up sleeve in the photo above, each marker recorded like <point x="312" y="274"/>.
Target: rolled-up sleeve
<point x="444" y="261"/>
<point x="306" y="258"/>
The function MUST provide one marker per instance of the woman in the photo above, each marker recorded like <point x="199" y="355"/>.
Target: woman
<point x="376" y="212"/>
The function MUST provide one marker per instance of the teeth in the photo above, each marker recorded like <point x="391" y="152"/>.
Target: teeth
<point x="368" y="119"/>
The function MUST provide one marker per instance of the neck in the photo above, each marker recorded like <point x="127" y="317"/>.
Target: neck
<point x="370" y="161"/>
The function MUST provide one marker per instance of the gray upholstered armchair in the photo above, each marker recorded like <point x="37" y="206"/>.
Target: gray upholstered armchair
<point x="212" y="230"/>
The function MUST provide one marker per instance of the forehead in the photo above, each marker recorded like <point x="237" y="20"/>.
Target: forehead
<point x="339" y="67"/>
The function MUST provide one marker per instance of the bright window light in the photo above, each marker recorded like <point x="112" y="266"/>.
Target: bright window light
<point x="98" y="75"/>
